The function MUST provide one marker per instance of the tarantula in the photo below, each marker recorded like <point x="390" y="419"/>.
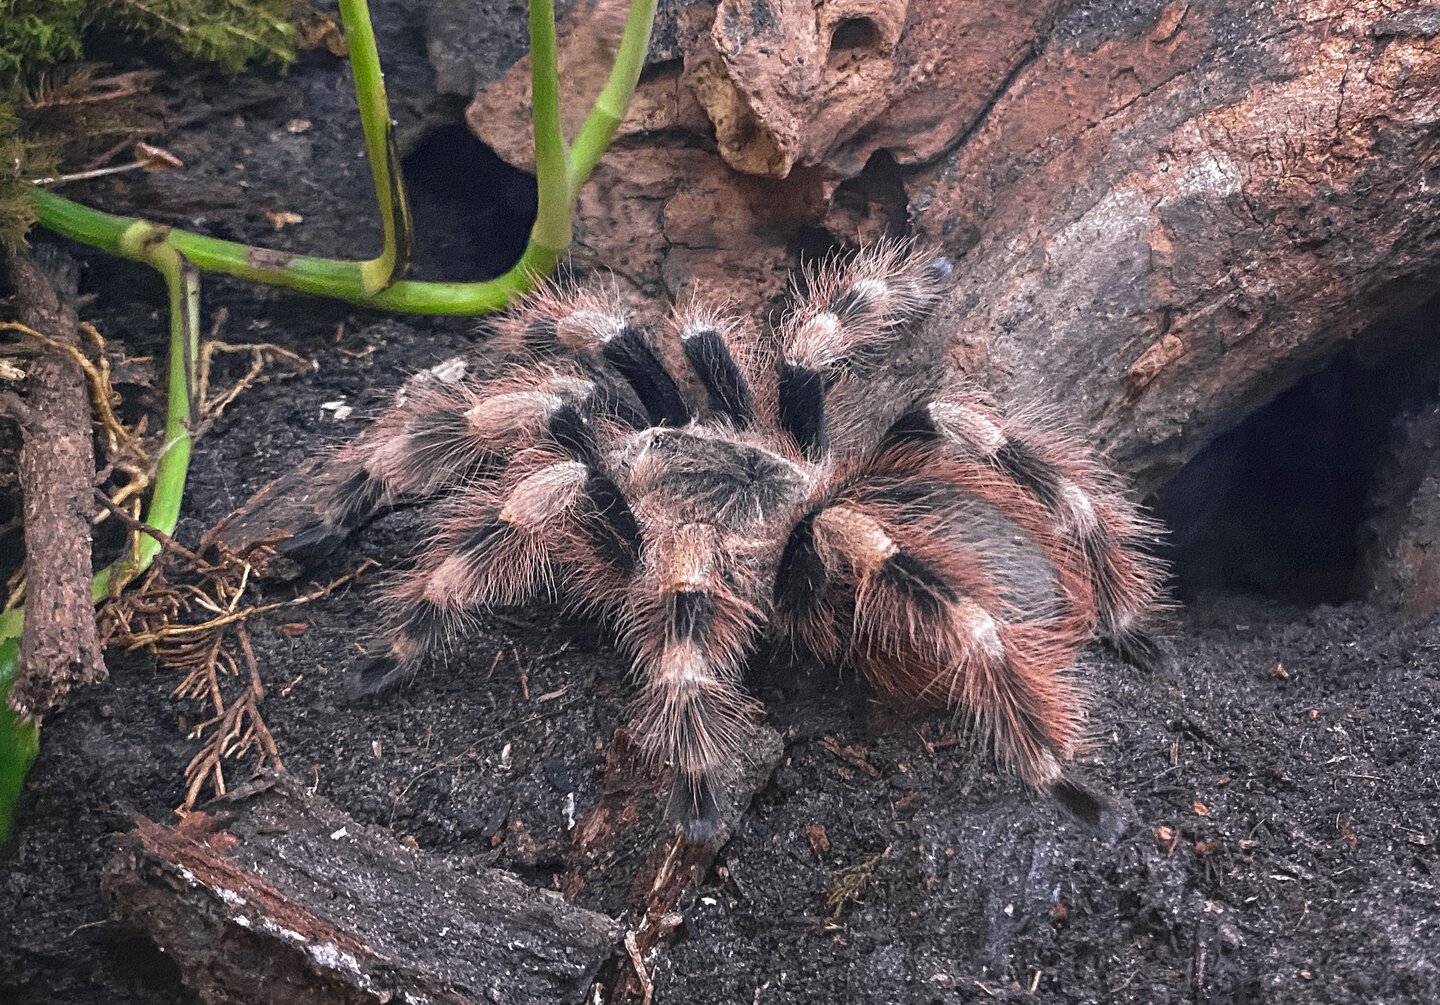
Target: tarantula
<point x="831" y="479"/>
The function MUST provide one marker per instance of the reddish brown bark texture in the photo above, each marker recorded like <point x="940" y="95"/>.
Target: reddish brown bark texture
<point x="59" y="647"/>
<point x="1162" y="216"/>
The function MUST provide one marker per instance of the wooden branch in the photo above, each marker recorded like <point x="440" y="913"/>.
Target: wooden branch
<point x="59" y="647"/>
<point x="274" y="896"/>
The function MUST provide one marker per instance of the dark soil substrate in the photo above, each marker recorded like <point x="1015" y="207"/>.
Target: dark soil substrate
<point x="1275" y="832"/>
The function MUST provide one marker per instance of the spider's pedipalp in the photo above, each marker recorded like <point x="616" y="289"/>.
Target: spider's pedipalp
<point x="802" y="407"/>
<point x="1095" y="518"/>
<point x="633" y="359"/>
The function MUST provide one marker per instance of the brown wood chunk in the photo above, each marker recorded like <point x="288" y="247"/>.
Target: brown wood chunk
<point x="275" y="896"/>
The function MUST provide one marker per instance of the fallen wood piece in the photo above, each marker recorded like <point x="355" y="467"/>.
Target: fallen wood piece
<point x="275" y="897"/>
<point x="60" y="647"/>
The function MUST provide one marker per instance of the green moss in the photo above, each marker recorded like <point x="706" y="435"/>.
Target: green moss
<point x="37" y="34"/>
<point x="227" y="33"/>
<point x="39" y="38"/>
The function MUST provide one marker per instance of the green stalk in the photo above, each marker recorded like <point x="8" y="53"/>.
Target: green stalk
<point x="599" y="126"/>
<point x="132" y="238"/>
<point x="380" y="150"/>
<point x="552" y="160"/>
<point x="362" y="283"/>
<point x="20" y="738"/>
<point x="182" y="284"/>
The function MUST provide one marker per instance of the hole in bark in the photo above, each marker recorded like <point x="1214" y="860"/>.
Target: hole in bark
<point x="472" y="211"/>
<point x="851" y="34"/>
<point x="1294" y="503"/>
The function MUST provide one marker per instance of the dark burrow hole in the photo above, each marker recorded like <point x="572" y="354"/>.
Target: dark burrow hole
<point x="853" y="33"/>
<point x="472" y="211"/>
<point x="1289" y="503"/>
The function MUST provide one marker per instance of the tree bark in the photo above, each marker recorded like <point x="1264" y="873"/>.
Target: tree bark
<point x="275" y="897"/>
<point x="1167" y="221"/>
<point x="59" y="647"/>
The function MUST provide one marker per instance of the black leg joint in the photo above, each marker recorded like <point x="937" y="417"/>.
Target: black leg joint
<point x="633" y="358"/>
<point x="726" y="386"/>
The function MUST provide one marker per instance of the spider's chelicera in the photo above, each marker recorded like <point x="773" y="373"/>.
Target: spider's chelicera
<point x="829" y="479"/>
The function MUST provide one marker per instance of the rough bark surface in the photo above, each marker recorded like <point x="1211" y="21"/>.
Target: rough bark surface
<point x="1168" y="219"/>
<point x="1400" y="545"/>
<point x="59" y="647"/>
<point x="1163" y="215"/>
<point x="273" y="896"/>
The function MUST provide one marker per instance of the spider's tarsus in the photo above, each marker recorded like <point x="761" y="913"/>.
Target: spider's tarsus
<point x="1082" y="801"/>
<point x="1137" y="648"/>
<point x="695" y="806"/>
<point x="314" y="541"/>
<point x="633" y="359"/>
<point x="376" y="675"/>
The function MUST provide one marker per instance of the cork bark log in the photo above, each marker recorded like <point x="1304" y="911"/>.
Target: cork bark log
<point x="273" y="896"/>
<point x="59" y="647"/>
<point x="1162" y="215"/>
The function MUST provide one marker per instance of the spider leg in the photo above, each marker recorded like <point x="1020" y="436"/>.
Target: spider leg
<point x="852" y="320"/>
<point x="1100" y="523"/>
<point x="690" y="627"/>
<point x="506" y="543"/>
<point x="442" y="434"/>
<point x="591" y="325"/>
<point x="941" y="611"/>
<point x="853" y="313"/>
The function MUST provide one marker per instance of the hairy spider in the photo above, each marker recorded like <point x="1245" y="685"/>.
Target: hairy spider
<point x="830" y="479"/>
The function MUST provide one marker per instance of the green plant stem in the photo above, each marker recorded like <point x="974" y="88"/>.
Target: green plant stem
<point x="604" y="118"/>
<point x="129" y="237"/>
<point x="552" y="160"/>
<point x="380" y="150"/>
<point x="182" y="284"/>
<point x="19" y="739"/>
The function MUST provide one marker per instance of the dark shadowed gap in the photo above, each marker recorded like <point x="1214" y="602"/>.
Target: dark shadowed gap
<point x="1279" y="505"/>
<point x="472" y="211"/>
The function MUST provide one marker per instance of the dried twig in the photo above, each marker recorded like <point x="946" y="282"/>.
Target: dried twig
<point x="647" y="987"/>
